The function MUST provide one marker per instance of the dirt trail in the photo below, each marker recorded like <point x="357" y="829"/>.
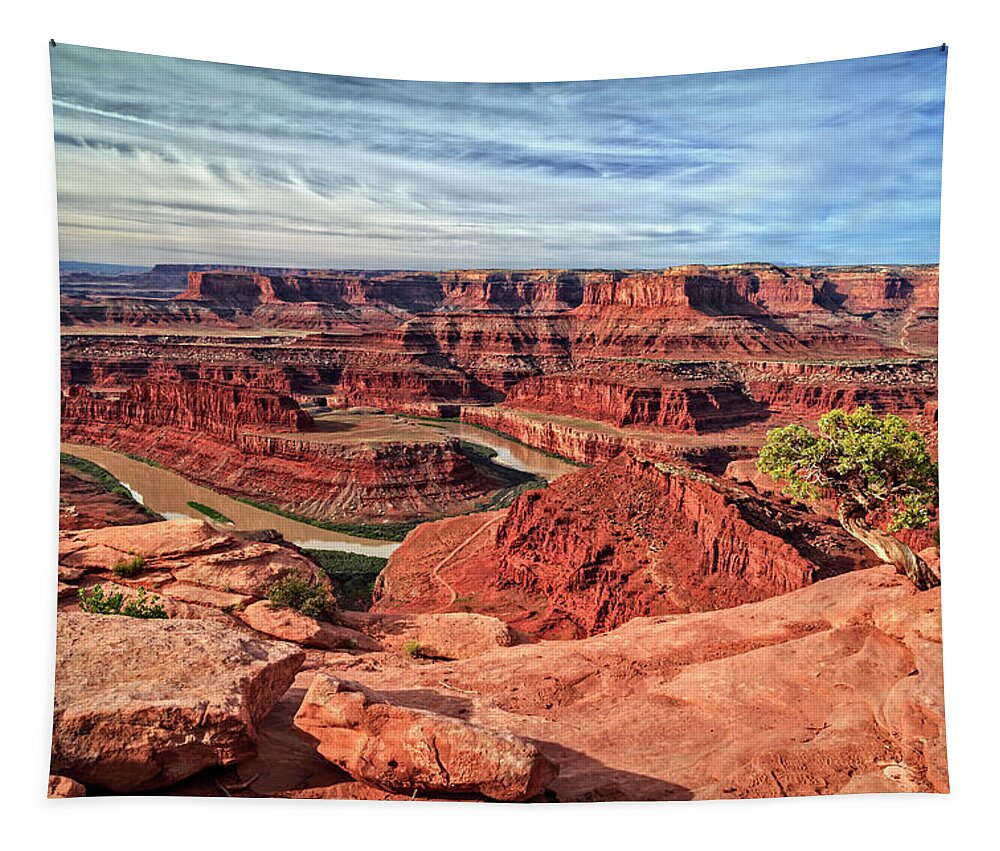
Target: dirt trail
<point x="436" y="573"/>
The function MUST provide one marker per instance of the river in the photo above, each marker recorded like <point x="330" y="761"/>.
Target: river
<point x="510" y="453"/>
<point x="168" y="493"/>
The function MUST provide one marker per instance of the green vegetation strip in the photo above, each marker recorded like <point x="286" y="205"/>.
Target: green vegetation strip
<point x="505" y="498"/>
<point x="353" y="575"/>
<point x="476" y="451"/>
<point x="147" y="461"/>
<point x="100" y="476"/>
<point x="374" y="531"/>
<point x="210" y="513"/>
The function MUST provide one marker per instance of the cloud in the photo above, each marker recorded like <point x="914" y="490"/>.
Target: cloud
<point x="164" y="160"/>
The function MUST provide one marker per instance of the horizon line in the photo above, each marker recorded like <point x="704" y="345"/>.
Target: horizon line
<point x="230" y="266"/>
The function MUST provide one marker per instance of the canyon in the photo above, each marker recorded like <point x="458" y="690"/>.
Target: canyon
<point x="563" y="462"/>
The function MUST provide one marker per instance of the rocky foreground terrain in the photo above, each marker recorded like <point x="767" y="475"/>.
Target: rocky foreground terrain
<point x="834" y="687"/>
<point x="652" y="621"/>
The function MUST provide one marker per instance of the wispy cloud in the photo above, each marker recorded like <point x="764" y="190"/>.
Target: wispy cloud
<point x="164" y="160"/>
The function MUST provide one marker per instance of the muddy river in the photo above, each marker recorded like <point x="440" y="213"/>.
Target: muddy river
<point x="168" y="493"/>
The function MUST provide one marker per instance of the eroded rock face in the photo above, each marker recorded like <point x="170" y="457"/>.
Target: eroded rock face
<point x="296" y="472"/>
<point x="626" y="538"/>
<point x="202" y="406"/>
<point x="405" y="749"/>
<point x="141" y="704"/>
<point x="649" y="399"/>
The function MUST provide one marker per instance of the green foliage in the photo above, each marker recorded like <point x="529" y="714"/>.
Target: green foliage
<point x="98" y="474"/>
<point x="141" y="607"/>
<point x="295" y="591"/>
<point x="504" y="498"/>
<point x="128" y="568"/>
<point x="412" y="648"/>
<point x="353" y="575"/>
<point x="97" y="602"/>
<point x="869" y="464"/>
<point x="149" y="462"/>
<point x="476" y="451"/>
<point x="210" y="513"/>
<point x="376" y="531"/>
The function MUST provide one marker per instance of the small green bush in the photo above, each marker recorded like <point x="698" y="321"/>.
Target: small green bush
<point x="128" y="568"/>
<point x="352" y="574"/>
<point x="295" y="591"/>
<point x="412" y="648"/>
<point x="96" y="602"/>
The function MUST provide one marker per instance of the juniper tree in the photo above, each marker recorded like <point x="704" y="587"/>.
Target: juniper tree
<point x="871" y="467"/>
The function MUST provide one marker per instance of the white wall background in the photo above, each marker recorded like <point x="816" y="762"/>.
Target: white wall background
<point x="512" y="40"/>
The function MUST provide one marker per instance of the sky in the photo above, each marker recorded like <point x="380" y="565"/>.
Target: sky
<point x="163" y="160"/>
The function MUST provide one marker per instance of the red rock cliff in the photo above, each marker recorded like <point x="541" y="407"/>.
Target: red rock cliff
<point x="198" y="406"/>
<point x="634" y="537"/>
<point x="651" y="400"/>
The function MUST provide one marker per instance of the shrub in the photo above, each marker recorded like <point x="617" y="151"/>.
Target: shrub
<point x="128" y="568"/>
<point x="295" y="591"/>
<point x="412" y="648"/>
<point x="97" y="602"/>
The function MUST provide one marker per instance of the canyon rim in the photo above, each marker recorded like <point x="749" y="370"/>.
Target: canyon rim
<point x="565" y="442"/>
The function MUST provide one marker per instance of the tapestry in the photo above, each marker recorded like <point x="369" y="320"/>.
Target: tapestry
<point x="550" y="442"/>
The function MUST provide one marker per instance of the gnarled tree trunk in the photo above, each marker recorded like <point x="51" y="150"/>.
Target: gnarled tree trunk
<point x="855" y="520"/>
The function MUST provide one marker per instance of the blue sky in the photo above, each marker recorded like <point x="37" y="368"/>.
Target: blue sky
<point x="169" y="160"/>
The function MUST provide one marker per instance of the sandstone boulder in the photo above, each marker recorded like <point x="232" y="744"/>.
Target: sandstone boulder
<point x="403" y="749"/>
<point x="249" y="569"/>
<point x="154" y="540"/>
<point x="141" y="704"/>
<point x="443" y="636"/>
<point x="290" y="625"/>
<point x="199" y="596"/>
<point x="65" y="787"/>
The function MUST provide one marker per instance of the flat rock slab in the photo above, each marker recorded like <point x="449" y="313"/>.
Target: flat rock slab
<point x="403" y="749"/>
<point x="166" y="539"/>
<point x="290" y="625"/>
<point x="142" y="704"/>
<point x="187" y="593"/>
<point x="453" y="635"/>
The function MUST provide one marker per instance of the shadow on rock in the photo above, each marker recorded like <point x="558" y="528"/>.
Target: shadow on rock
<point x="585" y="779"/>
